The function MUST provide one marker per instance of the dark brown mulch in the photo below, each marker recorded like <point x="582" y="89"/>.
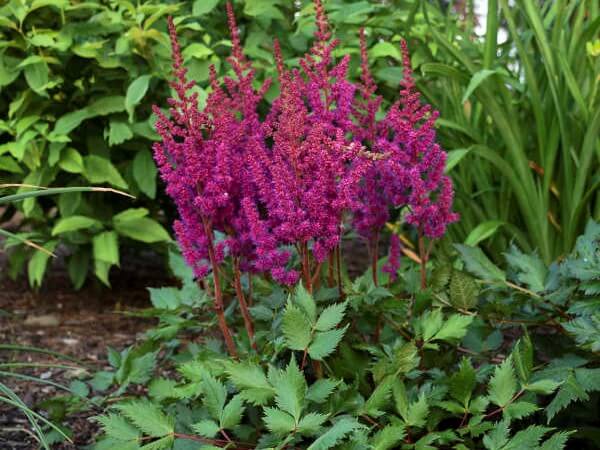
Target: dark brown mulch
<point x="78" y="324"/>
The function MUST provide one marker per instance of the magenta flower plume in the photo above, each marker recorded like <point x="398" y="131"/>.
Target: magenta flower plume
<point x="202" y="157"/>
<point x="410" y="169"/>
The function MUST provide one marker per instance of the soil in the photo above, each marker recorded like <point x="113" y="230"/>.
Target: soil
<point x="78" y="324"/>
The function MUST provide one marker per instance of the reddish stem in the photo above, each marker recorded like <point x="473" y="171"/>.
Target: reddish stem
<point x="330" y="264"/>
<point x="237" y="281"/>
<point x="306" y="267"/>
<point x="218" y="298"/>
<point x="423" y="257"/>
<point x="374" y="247"/>
<point x="338" y="257"/>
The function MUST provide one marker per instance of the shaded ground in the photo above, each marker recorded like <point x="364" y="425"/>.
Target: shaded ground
<point x="78" y="324"/>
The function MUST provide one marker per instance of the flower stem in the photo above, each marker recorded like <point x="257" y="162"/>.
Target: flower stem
<point x="237" y="281"/>
<point x="218" y="297"/>
<point x="423" y="257"/>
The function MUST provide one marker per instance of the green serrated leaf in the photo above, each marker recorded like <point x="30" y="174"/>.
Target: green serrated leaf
<point x="117" y="427"/>
<point x="206" y="428"/>
<point x="147" y="417"/>
<point x="503" y="384"/>
<point x="233" y="412"/>
<point x="330" y="317"/>
<point x="278" y="422"/>
<point x="463" y="291"/>
<point x="296" y="328"/>
<point x="480" y="265"/>
<point x="325" y="343"/>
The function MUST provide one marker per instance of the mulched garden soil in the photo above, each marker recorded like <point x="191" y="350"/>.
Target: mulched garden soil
<point x="78" y="324"/>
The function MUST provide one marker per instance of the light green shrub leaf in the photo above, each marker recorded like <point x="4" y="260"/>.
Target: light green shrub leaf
<point x="36" y="268"/>
<point x="201" y="7"/>
<point x="483" y="231"/>
<point x="311" y="423"/>
<point x="306" y="301"/>
<point x="454" y="328"/>
<point x="384" y="49"/>
<point x="214" y="394"/>
<point x="71" y="161"/>
<point x="74" y="223"/>
<point x="142" y="229"/>
<point x="321" y="389"/>
<point x="389" y="437"/>
<point x="101" y="170"/>
<point x="106" y="247"/>
<point x="144" y="172"/>
<point x="135" y="93"/>
<point x="251" y="381"/>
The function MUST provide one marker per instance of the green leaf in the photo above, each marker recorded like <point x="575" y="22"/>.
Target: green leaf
<point x="37" y="77"/>
<point x="331" y="317"/>
<point x="71" y="161"/>
<point x="144" y="172"/>
<point x="498" y="437"/>
<point x="164" y="443"/>
<point x="214" y="394"/>
<point x="532" y="271"/>
<point x="251" y="381"/>
<point x="290" y="389"/>
<point x="528" y="438"/>
<point x="557" y="441"/>
<point x="147" y="417"/>
<point x="311" y="423"/>
<point x="101" y="170"/>
<point x="206" y="428"/>
<point x="163" y="388"/>
<point x="325" y="343"/>
<point x="233" y="412"/>
<point x="384" y="49"/>
<point x="320" y="390"/>
<point x="196" y="50"/>
<point x="523" y="358"/>
<point x="201" y="7"/>
<point x="74" y="223"/>
<point x="36" y="268"/>
<point x="478" y="78"/>
<point x="503" y="384"/>
<point x="570" y="391"/>
<point x="135" y="93"/>
<point x="118" y="428"/>
<point x="546" y="387"/>
<point x="389" y="437"/>
<point x="483" y="231"/>
<point x="296" y="328"/>
<point x="379" y="398"/>
<point x="278" y="422"/>
<point x="141" y="229"/>
<point x="417" y="412"/>
<point x="306" y="301"/>
<point x="463" y="291"/>
<point x="455" y="157"/>
<point x="335" y="434"/>
<point x="479" y="264"/>
<point x="454" y="328"/>
<point x="118" y="132"/>
<point x="519" y="410"/>
<point x="106" y="247"/>
<point x="463" y="382"/>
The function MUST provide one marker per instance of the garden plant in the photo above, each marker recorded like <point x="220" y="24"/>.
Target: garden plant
<point x="416" y="355"/>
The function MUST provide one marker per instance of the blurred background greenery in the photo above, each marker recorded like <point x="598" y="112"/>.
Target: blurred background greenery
<point x="516" y="83"/>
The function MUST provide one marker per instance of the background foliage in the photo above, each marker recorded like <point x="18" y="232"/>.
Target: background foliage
<point x="520" y="118"/>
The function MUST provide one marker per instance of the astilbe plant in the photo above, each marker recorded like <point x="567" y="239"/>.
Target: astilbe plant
<point x="286" y="182"/>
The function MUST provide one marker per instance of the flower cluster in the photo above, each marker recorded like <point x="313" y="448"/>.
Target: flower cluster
<point x="281" y="185"/>
<point x="410" y="172"/>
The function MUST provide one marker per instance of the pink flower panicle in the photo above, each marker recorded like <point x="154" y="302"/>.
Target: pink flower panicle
<point x="411" y="174"/>
<point x="283" y="182"/>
